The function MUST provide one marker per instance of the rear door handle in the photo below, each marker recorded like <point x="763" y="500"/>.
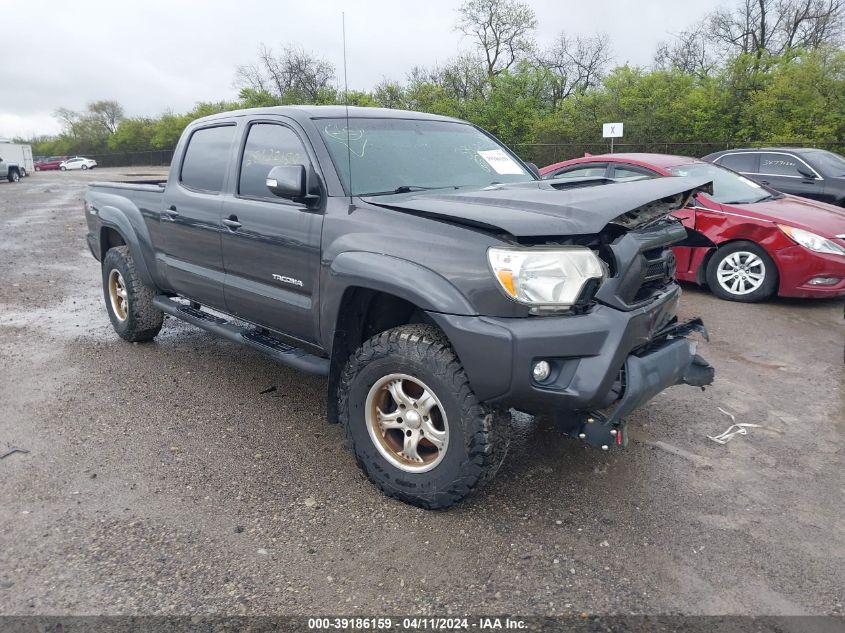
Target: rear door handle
<point x="232" y="223"/>
<point x="170" y="213"/>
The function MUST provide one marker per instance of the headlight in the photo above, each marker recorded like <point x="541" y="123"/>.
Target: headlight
<point x="811" y="241"/>
<point x="544" y="276"/>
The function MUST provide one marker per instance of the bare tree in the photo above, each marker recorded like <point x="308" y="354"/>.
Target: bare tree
<point x="294" y="74"/>
<point x="502" y="30"/>
<point x="577" y="63"/>
<point x="775" y="26"/>
<point x="691" y="51"/>
<point x="107" y="114"/>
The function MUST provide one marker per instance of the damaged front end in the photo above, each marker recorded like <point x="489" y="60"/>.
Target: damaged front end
<point x="669" y="359"/>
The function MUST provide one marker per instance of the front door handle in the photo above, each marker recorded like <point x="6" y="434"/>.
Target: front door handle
<point x="232" y="223"/>
<point x="764" y="182"/>
<point x="170" y="213"/>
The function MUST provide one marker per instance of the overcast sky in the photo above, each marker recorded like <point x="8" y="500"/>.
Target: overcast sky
<point x="156" y="55"/>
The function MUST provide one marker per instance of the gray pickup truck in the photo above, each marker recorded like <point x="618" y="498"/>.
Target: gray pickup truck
<point x="420" y="266"/>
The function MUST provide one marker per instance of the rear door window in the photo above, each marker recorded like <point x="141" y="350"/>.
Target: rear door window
<point x="206" y="157"/>
<point x="746" y="163"/>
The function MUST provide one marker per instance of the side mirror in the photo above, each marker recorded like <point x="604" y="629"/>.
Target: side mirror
<point x="287" y="181"/>
<point x="806" y="172"/>
<point x="534" y="169"/>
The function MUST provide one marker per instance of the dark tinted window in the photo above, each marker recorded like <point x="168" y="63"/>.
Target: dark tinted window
<point x="746" y="163"/>
<point x="828" y="162"/>
<point x="267" y="146"/>
<point x="584" y="171"/>
<point x="779" y="165"/>
<point x="205" y="160"/>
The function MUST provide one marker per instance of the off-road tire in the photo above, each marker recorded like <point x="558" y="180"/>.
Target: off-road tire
<point x="770" y="280"/>
<point x="478" y="437"/>
<point x="143" y="320"/>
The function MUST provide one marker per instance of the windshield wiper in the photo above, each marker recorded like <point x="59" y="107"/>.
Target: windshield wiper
<point x="404" y="189"/>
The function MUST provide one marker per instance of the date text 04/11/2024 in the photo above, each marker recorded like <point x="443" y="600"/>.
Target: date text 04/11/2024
<point x="416" y="623"/>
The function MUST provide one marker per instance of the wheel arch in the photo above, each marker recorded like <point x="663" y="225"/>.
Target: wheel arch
<point x="364" y="294"/>
<point x="115" y="230"/>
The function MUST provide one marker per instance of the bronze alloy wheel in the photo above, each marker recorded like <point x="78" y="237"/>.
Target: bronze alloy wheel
<point x="407" y="423"/>
<point x="118" y="295"/>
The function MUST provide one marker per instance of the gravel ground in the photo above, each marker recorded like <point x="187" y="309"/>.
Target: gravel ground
<point x="166" y="479"/>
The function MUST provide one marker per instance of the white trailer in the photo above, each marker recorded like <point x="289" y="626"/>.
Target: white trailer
<point x="17" y="154"/>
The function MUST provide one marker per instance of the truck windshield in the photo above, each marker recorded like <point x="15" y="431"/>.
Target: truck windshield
<point x="402" y="155"/>
<point x="728" y="187"/>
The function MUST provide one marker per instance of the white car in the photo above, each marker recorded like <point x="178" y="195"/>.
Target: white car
<point x="77" y="162"/>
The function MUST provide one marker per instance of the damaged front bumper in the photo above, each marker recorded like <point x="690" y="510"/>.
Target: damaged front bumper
<point x="672" y="361"/>
<point x="604" y="364"/>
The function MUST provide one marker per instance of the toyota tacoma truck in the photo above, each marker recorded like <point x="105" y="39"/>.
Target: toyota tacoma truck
<point x="419" y="265"/>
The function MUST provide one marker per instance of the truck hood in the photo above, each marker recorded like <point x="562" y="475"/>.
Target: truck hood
<point x="538" y="208"/>
<point x="821" y="218"/>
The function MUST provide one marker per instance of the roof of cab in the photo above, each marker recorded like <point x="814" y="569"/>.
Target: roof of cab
<point x="304" y="112"/>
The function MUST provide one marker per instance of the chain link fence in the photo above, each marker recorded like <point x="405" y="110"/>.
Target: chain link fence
<point x="543" y="154"/>
<point x="149" y="158"/>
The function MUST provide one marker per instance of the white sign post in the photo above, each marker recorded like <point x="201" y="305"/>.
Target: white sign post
<point x="612" y="131"/>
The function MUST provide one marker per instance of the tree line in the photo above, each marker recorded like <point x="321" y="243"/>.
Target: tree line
<point x="763" y="71"/>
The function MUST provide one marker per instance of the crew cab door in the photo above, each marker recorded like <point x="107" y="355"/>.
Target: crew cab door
<point x="271" y="245"/>
<point x="190" y="220"/>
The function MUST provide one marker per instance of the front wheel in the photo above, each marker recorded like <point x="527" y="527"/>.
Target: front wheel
<point x="417" y="430"/>
<point x="128" y="301"/>
<point x="742" y="271"/>
<point x="37" y="169"/>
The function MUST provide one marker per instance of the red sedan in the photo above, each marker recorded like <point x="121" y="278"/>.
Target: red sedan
<point x="53" y="162"/>
<point x="745" y="241"/>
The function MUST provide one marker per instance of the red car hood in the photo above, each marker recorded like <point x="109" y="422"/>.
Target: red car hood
<point x="820" y="218"/>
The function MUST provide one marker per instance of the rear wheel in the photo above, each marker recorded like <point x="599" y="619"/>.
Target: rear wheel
<point x="23" y="173"/>
<point x="85" y="167"/>
<point x="417" y="430"/>
<point x="742" y="271"/>
<point x="63" y="168"/>
<point x="128" y="301"/>
<point x="14" y="176"/>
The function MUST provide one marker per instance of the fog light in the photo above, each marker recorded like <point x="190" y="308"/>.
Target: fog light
<point x="823" y="281"/>
<point x="541" y="371"/>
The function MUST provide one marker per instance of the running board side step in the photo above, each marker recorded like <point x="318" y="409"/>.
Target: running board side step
<point x="245" y="335"/>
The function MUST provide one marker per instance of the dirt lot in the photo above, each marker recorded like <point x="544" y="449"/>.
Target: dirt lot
<point x="166" y="478"/>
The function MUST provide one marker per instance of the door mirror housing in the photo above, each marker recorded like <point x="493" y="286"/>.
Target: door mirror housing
<point x="288" y="181"/>
<point x="806" y="172"/>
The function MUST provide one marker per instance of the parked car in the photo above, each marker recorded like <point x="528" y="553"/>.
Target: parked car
<point x="53" y="162"/>
<point x="10" y="170"/>
<point x="433" y="278"/>
<point x="806" y="172"/>
<point x="745" y="241"/>
<point x="78" y="162"/>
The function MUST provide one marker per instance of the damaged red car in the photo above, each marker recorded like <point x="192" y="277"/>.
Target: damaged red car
<point x="745" y="241"/>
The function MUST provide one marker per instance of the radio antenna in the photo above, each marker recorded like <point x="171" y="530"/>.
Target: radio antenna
<point x="346" y="103"/>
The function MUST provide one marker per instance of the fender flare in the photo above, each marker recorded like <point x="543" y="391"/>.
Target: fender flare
<point x="137" y="238"/>
<point x="420" y="286"/>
